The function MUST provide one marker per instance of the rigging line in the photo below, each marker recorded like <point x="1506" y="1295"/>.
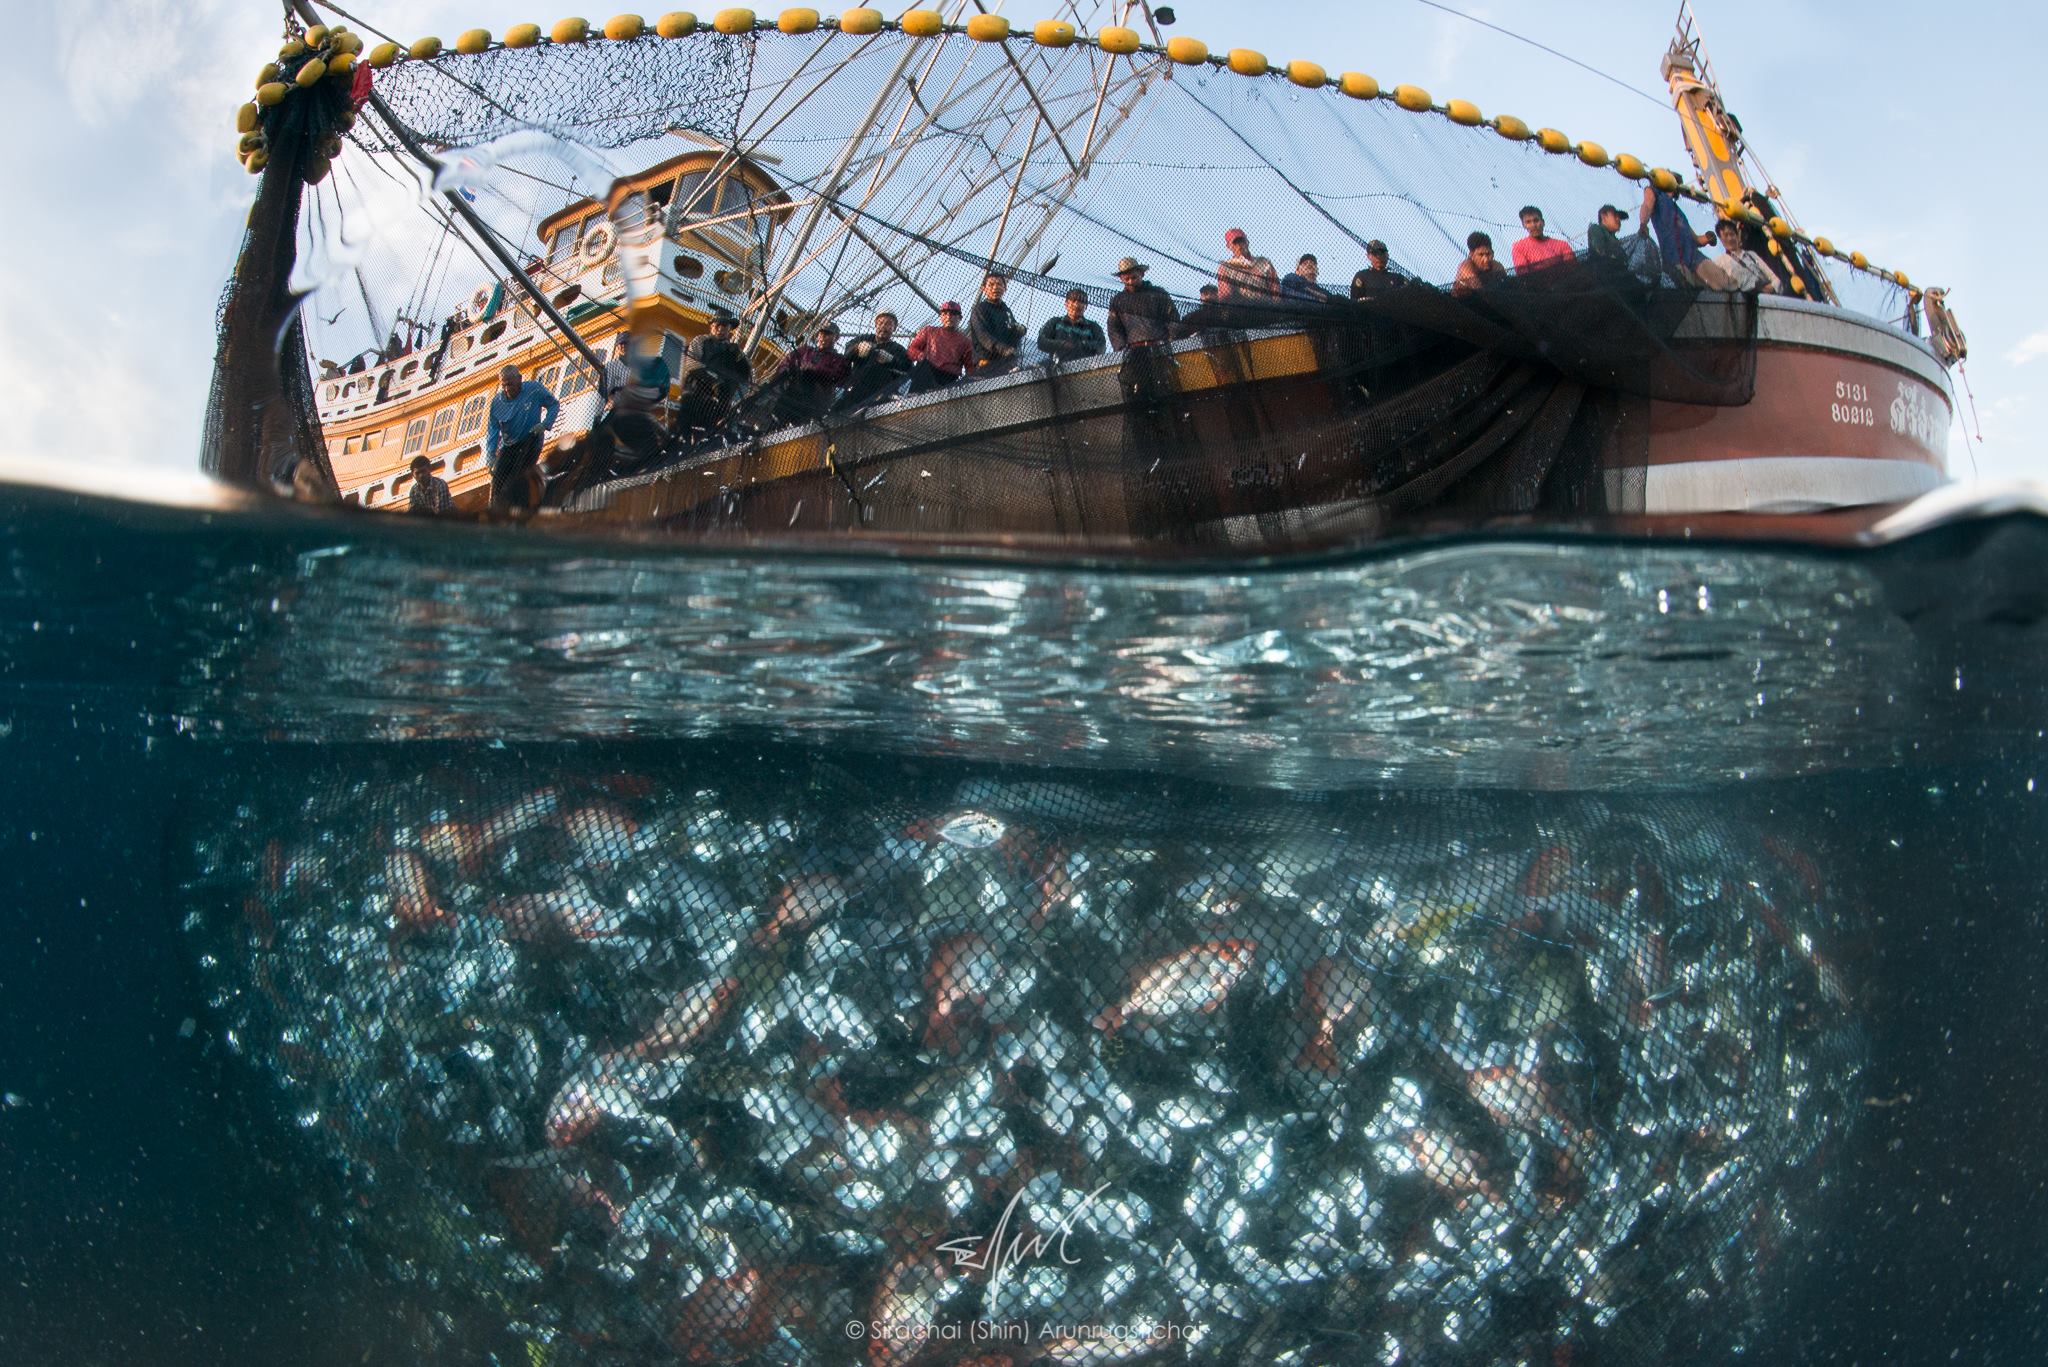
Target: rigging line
<point x="1542" y="47"/>
<point x="1300" y="193"/>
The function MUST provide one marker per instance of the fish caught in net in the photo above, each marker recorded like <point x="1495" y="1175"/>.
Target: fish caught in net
<point x="1021" y="1069"/>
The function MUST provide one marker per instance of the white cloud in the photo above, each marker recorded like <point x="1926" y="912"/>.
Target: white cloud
<point x="2031" y="348"/>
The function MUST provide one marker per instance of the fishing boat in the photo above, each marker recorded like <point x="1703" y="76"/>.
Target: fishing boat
<point x="965" y="145"/>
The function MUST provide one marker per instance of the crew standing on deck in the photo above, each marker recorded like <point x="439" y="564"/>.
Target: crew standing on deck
<point x="880" y="363"/>
<point x="1243" y="278"/>
<point x="1478" y="271"/>
<point x="939" y="354"/>
<point x="521" y="413"/>
<point x="1536" y="249"/>
<point x="627" y="435"/>
<point x="1376" y="277"/>
<point x="811" y="376"/>
<point x="993" y="329"/>
<point x="429" y="492"/>
<point x="1300" y="283"/>
<point x="1142" y="314"/>
<point x="1073" y="336"/>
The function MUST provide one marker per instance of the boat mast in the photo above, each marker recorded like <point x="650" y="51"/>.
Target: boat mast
<point x="1714" y="137"/>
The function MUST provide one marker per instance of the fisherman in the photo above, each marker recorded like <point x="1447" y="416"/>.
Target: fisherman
<point x="1300" y="283"/>
<point x="1739" y="270"/>
<point x="940" y="352"/>
<point x="811" y="375"/>
<point x="880" y="364"/>
<point x="521" y="413"/>
<point x="1242" y="277"/>
<point x="627" y="434"/>
<point x="715" y="374"/>
<point x="1208" y="314"/>
<point x="716" y="362"/>
<point x="429" y="492"/>
<point x="993" y="329"/>
<point x="1376" y="277"/>
<point x="1478" y="271"/>
<point x="1535" y="251"/>
<point x="1603" y="236"/>
<point x="1074" y="336"/>
<point x="1142" y="314"/>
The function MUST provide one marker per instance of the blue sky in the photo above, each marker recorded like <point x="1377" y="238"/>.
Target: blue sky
<point x="1898" y="129"/>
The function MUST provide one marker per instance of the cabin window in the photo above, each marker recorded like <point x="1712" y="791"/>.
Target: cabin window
<point x="565" y="297"/>
<point x="332" y="392"/>
<point x="692" y="198"/>
<point x="689" y="267"/>
<point x="564" y="245"/>
<point x="632" y="210"/>
<point x="408" y="370"/>
<point x="547" y="379"/>
<point x="579" y="380"/>
<point x="415" y="437"/>
<point x="466" y="460"/>
<point x="372" y="494"/>
<point x="472" y="414"/>
<point x="735" y="197"/>
<point x="444" y="426"/>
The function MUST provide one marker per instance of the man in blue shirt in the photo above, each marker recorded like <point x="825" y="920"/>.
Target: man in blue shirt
<point x="522" y="411"/>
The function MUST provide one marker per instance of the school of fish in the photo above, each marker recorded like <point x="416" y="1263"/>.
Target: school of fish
<point x="684" y="1067"/>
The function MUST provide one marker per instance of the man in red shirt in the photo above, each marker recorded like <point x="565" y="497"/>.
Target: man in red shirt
<point x="941" y="353"/>
<point x="1537" y="251"/>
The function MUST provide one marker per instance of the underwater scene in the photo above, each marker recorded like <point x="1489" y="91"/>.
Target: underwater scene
<point x="429" y="945"/>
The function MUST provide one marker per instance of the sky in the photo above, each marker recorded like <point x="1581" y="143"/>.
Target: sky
<point x="1895" y="128"/>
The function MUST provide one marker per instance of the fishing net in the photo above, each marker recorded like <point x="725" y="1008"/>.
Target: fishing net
<point x="903" y="169"/>
<point x="928" y="1067"/>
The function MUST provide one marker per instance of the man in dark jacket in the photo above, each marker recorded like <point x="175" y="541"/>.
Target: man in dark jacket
<point x="715" y="375"/>
<point x="880" y="363"/>
<point x="1209" y="313"/>
<point x="1143" y="314"/>
<point x="1377" y="277"/>
<point x="993" y="329"/>
<point x="1074" y="336"/>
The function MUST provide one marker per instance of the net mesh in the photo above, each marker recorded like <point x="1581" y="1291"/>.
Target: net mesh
<point x="904" y="169"/>
<point x="928" y="1067"/>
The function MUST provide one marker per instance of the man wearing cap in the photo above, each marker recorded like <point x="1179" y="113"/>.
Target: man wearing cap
<point x="880" y="363"/>
<point x="1300" y="283"/>
<point x="1073" y="336"/>
<point x="521" y="413"/>
<point x="1603" y="236"/>
<point x="811" y="375"/>
<point x="1377" y="277"/>
<point x="940" y="353"/>
<point x="1142" y="314"/>
<point x="1536" y="251"/>
<point x="715" y="373"/>
<point x="993" y="329"/>
<point x="716" y="363"/>
<point x="1244" y="278"/>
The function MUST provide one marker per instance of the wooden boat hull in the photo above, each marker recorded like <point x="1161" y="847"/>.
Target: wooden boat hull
<point x="1846" y="413"/>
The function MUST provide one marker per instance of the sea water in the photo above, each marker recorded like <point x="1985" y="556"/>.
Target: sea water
<point x="201" y="708"/>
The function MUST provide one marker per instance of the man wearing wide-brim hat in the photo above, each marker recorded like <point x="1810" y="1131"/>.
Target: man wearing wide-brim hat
<point x="1142" y="314"/>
